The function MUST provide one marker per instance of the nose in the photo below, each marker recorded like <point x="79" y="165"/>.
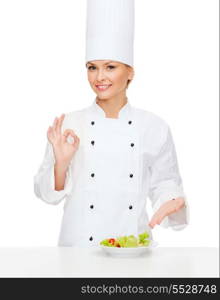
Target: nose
<point x="100" y="75"/>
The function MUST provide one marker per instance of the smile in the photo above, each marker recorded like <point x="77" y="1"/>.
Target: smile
<point x="102" y="87"/>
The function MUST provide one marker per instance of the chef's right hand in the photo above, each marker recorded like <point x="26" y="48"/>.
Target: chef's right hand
<point x="63" y="150"/>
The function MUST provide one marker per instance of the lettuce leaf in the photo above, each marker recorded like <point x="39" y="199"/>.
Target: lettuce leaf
<point x="106" y="243"/>
<point x="132" y="241"/>
<point x="122" y="241"/>
<point x="143" y="239"/>
<point x="129" y="241"/>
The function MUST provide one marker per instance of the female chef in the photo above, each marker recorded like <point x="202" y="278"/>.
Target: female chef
<point x="105" y="160"/>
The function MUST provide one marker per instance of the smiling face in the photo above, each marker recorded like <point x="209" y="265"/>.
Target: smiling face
<point x="108" y="78"/>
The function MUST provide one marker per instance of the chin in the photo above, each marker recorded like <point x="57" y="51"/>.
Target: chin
<point x="104" y="96"/>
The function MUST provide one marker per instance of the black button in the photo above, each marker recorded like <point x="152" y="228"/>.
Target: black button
<point x="130" y="207"/>
<point x="92" y="174"/>
<point x="92" y="122"/>
<point x="91" y="206"/>
<point x="91" y="238"/>
<point x="92" y="142"/>
<point x="129" y="122"/>
<point x="132" y="144"/>
<point x="131" y="175"/>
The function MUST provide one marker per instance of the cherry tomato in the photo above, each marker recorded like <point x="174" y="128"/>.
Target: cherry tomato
<point x="111" y="241"/>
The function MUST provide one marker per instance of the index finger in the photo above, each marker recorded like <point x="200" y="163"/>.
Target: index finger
<point x="59" y="123"/>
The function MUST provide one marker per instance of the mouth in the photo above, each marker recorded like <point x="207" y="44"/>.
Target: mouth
<point x="103" y="87"/>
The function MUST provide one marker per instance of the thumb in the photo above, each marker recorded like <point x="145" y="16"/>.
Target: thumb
<point x="68" y="136"/>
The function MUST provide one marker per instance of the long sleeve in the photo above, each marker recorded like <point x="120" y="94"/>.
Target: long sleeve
<point x="166" y="184"/>
<point x="44" y="181"/>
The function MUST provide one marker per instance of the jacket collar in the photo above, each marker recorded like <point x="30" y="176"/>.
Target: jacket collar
<point x="124" y="112"/>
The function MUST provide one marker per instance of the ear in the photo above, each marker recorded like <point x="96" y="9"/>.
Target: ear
<point x="131" y="73"/>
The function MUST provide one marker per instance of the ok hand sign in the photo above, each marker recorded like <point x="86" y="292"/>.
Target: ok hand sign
<point x="63" y="150"/>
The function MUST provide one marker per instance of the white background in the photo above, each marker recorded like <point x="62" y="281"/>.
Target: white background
<point x="43" y="74"/>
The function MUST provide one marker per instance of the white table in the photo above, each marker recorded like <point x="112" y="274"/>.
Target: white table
<point x="92" y="262"/>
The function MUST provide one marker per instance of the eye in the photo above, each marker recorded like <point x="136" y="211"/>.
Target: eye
<point x="89" y="68"/>
<point x="111" y="67"/>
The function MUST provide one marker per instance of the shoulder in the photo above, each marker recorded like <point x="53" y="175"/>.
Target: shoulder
<point x="151" y="119"/>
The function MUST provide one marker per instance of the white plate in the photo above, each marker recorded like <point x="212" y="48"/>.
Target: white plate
<point x="128" y="252"/>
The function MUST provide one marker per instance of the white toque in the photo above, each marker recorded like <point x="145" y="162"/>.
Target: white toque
<point x="110" y="30"/>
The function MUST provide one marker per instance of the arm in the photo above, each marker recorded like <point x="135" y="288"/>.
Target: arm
<point x="166" y="185"/>
<point x="60" y="176"/>
<point x="44" y="180"/>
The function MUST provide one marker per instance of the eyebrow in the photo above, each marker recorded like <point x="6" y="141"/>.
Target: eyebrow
<point x="89" y="63"/>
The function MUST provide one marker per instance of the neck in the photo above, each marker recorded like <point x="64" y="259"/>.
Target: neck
<point x="112" y="106"/>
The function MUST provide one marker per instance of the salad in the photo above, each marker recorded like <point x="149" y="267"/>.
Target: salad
<point x="127" y="241"/>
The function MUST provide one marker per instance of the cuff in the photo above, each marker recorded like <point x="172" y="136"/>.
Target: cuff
<point x="49" y="194"/>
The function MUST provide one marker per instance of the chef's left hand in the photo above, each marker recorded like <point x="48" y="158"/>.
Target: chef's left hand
<point x="166" y="209"/>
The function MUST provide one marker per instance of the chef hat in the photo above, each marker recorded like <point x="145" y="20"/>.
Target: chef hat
<point x="110" y="30"/>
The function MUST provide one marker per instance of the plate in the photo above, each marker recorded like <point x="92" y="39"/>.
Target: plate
<point x="128" y="252"/>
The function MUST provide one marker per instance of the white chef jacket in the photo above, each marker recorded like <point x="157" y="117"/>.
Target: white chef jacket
<point x="119" y="164"/>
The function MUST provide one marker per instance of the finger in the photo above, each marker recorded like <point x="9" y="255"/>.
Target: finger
<point x="71" y="139"/>
<point x="54" y="125"/>
<point x="151" y="225"/>
<point x="49" y="131"/>
<point x="59" y="124"/>
<point x="50" y="134"/>
<point x="159" y="220"/>
<point x="54" y="122"/>
<point x="77" y="140"/>
<point x="155" y="221"/>
<point x="68" y="132"/>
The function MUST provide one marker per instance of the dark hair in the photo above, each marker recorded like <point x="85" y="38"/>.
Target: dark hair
<point x="128" y="82"/>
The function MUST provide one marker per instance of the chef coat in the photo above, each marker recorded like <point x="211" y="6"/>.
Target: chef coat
<point x="120" y="163"/>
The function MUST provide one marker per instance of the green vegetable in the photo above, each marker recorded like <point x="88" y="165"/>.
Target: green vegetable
<point x="132" y="241"/>
<point x="128" y="241"/>
<point x="122" y="241"/>
<point x="143" y="239"/>
<point x="106" y="243"/>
